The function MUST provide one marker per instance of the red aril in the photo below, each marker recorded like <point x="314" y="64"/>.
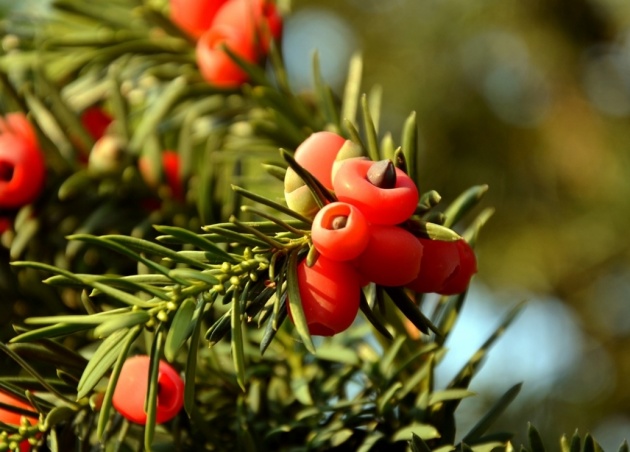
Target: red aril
<point x="387" y="206"/>
<point x="95" y="120"/>
<point x="392" y="256"/>
<point x="12" y="418"/>
<point x="258" y="20"/>
<point x="317" y="154"/>
<point x="22" y="166"/>
<point x="170" y="171"/>
<point x="439" y="261"/>
<point x="330" y="293"/>
<point x="171" y="163"/>
<point x="340" y="231"/>
<point x="194" y="16"/>
<point x="458" y="281"/>
<point x="132" y="386"/>
<point x="216" y="66"/>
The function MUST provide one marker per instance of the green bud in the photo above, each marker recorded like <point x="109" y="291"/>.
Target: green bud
<point x="300" y="199"/>
<point x="162" y="316"/>
<point x="349" y="150"/>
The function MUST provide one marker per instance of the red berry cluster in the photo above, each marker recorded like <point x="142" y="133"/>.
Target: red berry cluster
<point x="246" y="27"/>
<point x="360" y="238"/>
<point x="131" y="390"/>
<point x="22" y="165"/>
<point x="15" y="419"/>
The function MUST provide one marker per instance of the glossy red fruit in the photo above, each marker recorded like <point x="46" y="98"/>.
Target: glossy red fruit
<point x="6" y="223"/>
<point x="215" y="65"/>
<point x="96" y="120"/>
<point x="317" y="154"/>
<point x="340" y="231"/>
<point x="330" y="293"/>
<point x="458" y="281"/>
<point x="131" y="390"/>
<point x="170" y="161"/>
<point x="379" y="205"/>
<point x="194" y="16"/>
<point x="439" y="261"/>
<point x="392" y="256"/>
<point x="22" y="165"/>
<point x="170" y="169"/>
<point x="258" y="20"/>
<point x="13" y="418"/>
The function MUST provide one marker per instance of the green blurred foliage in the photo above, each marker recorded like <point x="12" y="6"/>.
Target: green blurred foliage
<point x="531" y="98"/>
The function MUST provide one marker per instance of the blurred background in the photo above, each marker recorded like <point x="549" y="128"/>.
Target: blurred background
<point x="532" y="98"/>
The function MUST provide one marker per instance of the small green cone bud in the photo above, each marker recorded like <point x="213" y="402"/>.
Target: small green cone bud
<point x="349" y="150"/>
<point x="302" y="201"/>
<point x="382" y="174"/>
<point x="298" y="196"/>
<point x="292" y="181"/>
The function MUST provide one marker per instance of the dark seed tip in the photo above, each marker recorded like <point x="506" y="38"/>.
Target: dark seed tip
<point x="382" y="174"/>
<point x="339" y="222"/>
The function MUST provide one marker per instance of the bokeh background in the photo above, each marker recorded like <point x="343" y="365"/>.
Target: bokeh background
<point x="532" y="98"/>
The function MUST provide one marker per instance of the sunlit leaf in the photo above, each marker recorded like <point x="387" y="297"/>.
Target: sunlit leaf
<point x="370" y="130"/>
<point x="180" y="329"/>
<point x="463" y="204"/>
<point x="295" y="302"/>
<point x="349" y="105"/>
<point x="191" y="358"/>
<point x="101" y="362"/>
<point x="535" y="441"/>
<point x="60" y="329"/>
<point x="106" y="404"/>
<point x="423" y="431"/>
<point x="486" y="421"/>
<point x="418" y="445"/>
<point x="186" y="236"/>
<point x="153" y="388"/>
<point x="238" y="352"/>
<point x="121" y="322"/>
<point x="410" y="146"/>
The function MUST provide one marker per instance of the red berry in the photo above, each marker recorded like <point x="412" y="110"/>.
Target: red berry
<point x="340" y="231"/>
<point x="379" y="205"/>
<point x="317" y="154"/>
<point x="131" y="390"/>
<point x="170" y="169"/>
<point x="6" y="223"/>
<point x="95" y="120"/>
<point x="22" y="166"/>
<point x="195" y="16"/>
<point x="170" y="160"/>
<point x="439" y="261"/>
<point x="330" y="293"/>
<point x="216" y="66"/>
<point x="458" y="281"/>
<point x="258" y="20"/>
<point x="392" y="256"/>
<point x="13" y="418"/>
